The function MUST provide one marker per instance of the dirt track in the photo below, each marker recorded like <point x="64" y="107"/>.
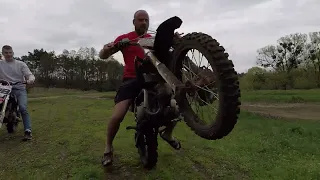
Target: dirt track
<point x="305" y="111"/>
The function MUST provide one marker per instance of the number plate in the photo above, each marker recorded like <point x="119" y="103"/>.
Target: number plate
<point x="5" y="90"/>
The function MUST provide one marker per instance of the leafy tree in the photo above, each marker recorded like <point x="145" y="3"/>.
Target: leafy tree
<point x="314" y="55"/>
<point x="286" y="56"/>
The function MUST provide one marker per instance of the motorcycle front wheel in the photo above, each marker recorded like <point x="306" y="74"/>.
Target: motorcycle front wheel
<point x="217" y="85"/>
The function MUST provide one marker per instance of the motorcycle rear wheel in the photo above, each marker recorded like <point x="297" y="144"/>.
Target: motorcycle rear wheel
<point x="147" y="145"/>
<point x="12" y="127"/>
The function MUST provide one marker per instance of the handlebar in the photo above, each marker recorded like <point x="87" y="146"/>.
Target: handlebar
<point x="125" y="43"/>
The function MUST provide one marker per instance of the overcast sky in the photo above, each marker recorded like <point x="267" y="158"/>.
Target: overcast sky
<point x="240" y="26"/>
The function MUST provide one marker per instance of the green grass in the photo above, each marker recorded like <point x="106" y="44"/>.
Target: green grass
<point x="44" y="92"/>
<point x="36" y="93"/>
<point x="285" y="96"/>
<point x="69" y="135"/>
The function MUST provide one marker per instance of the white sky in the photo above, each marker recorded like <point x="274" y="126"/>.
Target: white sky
<point x="240" y="26"/>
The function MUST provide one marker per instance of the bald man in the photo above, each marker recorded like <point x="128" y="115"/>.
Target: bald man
<point x="130" y="87"/>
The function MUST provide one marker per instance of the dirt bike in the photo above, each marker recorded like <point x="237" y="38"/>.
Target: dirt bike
<point x="164" y="95"/>
<point x="9" y="114"/>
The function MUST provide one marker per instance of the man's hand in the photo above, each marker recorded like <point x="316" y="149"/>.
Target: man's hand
<point x="178" y="35"/>
<point x="106" y="51"/>
<point x="30" y="81"/>
<point x="108" y="46"/>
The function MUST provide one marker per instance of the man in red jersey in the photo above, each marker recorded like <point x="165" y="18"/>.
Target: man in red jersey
<point x="130" y="86"/>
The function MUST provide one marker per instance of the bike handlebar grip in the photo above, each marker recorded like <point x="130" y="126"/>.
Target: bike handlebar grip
<point x="124" y="43"/>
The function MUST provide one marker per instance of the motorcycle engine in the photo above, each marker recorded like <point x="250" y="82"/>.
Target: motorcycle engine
<point x="140" y="113"/>
<point x="164" y="99"/>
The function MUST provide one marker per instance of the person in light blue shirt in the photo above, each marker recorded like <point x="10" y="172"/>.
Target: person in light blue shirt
<point x="14" y="71"/>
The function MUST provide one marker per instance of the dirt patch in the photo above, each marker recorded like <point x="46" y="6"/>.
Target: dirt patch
<point x="90" y="96"/>
<point x="305" y="111"/>
<point x="95" y="97"/>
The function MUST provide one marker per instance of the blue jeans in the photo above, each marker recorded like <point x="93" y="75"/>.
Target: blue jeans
<point x="22" y="99"/>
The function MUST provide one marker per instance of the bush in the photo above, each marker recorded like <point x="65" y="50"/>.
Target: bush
<point x="259" y="79"/>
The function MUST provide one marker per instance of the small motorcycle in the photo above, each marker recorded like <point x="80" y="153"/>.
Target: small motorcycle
<point x="9" y="113"/>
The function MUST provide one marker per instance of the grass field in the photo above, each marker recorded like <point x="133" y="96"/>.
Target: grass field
<point x="69" y="136"/>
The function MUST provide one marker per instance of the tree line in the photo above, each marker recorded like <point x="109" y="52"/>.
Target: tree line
<point x="81" y="69"/>
<point x="292" y="63"/>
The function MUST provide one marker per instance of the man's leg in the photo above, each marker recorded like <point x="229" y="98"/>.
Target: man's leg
<point x="119" y="112"/>
<point x="22" y="99"/>
<point x="166" y="135"/>
<point x="126" y="92"/>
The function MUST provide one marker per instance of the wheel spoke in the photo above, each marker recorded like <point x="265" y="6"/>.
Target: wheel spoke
<point x="192" y="71"/>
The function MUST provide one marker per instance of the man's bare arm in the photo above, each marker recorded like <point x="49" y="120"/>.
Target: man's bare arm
<point x="27" y="74"/>
<point x="107" y="51"/>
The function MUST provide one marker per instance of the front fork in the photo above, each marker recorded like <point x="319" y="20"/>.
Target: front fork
<point x="3" y="110"/>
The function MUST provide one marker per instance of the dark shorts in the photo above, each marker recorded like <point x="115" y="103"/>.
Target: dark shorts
<point x="129" y="89"/>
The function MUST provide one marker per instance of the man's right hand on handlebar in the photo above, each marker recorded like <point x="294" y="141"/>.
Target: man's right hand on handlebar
<point x="112" y="48"/>
<point x="108" y="46"/>
<point x="108" y="50"/>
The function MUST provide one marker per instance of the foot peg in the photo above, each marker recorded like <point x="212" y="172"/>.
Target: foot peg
<point x="177" y="119"/>
<point x="131" y="127"/>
